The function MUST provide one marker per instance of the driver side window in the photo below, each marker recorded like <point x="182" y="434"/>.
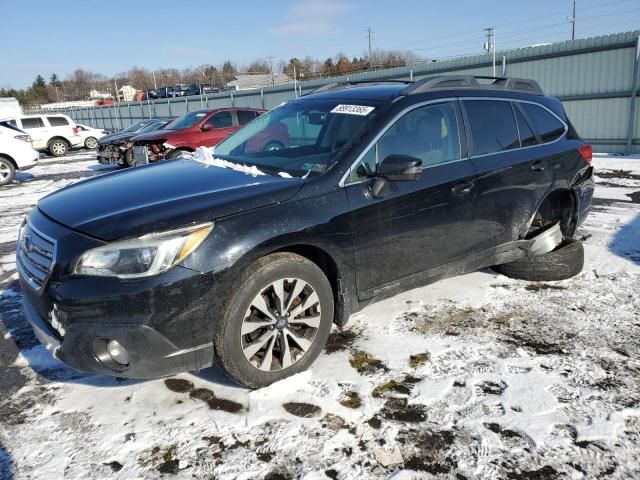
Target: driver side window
<point x="429" y="133"/>
<point x="220" y="120"/>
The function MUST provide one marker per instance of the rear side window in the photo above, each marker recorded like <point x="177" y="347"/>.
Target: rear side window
<point x="245" y="116"/>
<point x="32" y="122"/>
<point x="527" y="137"/>
<point x="493" y="126"/>
<point x="57" y="121"/>
<point x="547" y="125"/>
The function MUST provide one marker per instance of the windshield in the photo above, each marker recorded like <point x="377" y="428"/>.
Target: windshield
<point x="135" y="127"/>
<point x="186" y="121"/>
<point x="300" y="137"/>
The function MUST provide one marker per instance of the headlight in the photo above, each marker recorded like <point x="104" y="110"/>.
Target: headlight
<point x="143" y="256"/>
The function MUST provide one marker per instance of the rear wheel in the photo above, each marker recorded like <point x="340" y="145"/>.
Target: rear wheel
<point x="7" y="171"/>
<point x="564" y="262"/>
<point x="58" y="147"/>
<point x="91" y="143"/>
<point x="276" y="322"/>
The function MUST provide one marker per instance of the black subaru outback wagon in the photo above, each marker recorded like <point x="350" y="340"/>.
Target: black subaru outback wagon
<point x="248" y="258"/>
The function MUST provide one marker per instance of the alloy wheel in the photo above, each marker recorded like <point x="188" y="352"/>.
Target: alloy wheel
<point x="91" y="143"/>
<point x="5" y="171"/>
<point x="58" y="148"/>
<point x="281" y="324"/>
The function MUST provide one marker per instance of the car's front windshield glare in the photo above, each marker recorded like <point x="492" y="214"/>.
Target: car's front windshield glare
<point x="150" y="127"/>
<point x="136" y="126"/>
<point x="186" y="121"/>
<point x="300" y="137"/>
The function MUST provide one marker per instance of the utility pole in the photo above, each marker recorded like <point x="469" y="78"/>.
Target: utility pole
<point x="295" y="83"/>
<point x="573" y="21"/>
<point x="370" y="59"/>
<point x="153" y="72"/>
<point x="490" y="45"/>
<point x="270" y="58"/>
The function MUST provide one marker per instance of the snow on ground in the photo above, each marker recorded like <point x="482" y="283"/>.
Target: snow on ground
<point x="478" y="376"/>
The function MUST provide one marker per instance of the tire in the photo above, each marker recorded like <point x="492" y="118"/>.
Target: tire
<point x="176" y="154"/>
<point x="91" y="143"/>
<point x="58" y="147"/>
<point x="245" y="357"/>
<point x="272" y="145"/>
<point x="564" y="262"/>
<point x="7" y="171"/>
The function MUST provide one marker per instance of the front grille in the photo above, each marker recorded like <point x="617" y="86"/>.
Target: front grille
<point x="35" y="256"/>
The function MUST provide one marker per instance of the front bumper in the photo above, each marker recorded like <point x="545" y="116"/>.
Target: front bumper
<point x="165" y="323"/>
<point x="29" y="166"/>
<point x="152" y="354"/>
<point x="109" y="155"/>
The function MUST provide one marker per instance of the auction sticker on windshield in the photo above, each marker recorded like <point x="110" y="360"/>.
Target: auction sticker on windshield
<point x="353" y="109"/>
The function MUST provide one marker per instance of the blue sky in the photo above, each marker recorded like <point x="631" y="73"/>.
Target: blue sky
<point x="44" y="36"/>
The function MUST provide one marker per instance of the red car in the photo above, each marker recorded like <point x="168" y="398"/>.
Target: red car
<point x="202" y="128"/>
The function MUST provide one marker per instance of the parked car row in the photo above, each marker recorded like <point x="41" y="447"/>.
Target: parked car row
<point x="178" y="90"/>
<point x="146" y="141"/>
<point x="55" y="134"/>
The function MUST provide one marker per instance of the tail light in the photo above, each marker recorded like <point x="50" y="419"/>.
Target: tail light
<point x="586" y="152"/>
<point x="75" y="130"/>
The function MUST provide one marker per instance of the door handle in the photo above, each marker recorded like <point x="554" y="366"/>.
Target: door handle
<point x="538" y="167"/>
<point x="462" y="188"/>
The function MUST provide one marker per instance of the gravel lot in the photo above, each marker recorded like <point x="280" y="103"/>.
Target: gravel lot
<point x="478" y="376"/>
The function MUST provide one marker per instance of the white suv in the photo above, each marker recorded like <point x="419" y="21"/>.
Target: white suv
<point x="53" y="133"/>
<point x="15" y="153"/>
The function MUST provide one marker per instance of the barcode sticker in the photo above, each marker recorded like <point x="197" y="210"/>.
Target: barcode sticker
<point x="362" y="110"/>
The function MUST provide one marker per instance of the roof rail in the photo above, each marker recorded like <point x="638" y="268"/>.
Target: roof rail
<point x="523" y="85"/>
<point x="353" y="83"/>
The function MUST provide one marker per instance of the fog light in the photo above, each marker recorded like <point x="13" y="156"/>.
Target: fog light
<point x="117" y="352"/>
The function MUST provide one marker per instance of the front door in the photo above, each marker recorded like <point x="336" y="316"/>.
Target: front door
<point x="216" y="128"/>
<point x="418" y="224"/>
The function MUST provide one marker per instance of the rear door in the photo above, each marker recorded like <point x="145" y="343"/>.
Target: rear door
<point x="222" y="125"/>
<point x="511" y="179"/>
<point x="36" y="128"/>
<point x="61" y="127"/>
<point x="418" y="224"/>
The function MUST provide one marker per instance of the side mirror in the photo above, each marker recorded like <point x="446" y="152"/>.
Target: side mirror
<point x="206" y="127"/>
<point x="400" y="168"/>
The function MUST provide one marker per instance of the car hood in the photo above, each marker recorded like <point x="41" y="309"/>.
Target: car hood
<point x="157" y="135"/>
<point x="115" y="138"/>
<point x="160" y="197"/>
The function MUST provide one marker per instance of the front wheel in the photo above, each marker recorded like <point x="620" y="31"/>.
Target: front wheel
<point x="7" y="171"/>
<point x="177" y="154"/>
<point x="277" y="320"/>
